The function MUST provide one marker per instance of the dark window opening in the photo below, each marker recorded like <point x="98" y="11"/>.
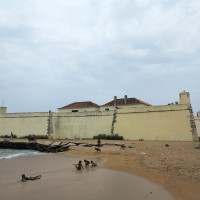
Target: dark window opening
<point x="107" y="109"/>
<point x="74" y="110"/>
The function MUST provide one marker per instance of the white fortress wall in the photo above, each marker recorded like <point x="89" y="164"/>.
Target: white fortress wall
<point x="81" y="124"/>
<point x="170" y="123"/>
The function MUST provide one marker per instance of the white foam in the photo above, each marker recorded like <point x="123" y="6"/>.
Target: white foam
<point x="17" y="153"/>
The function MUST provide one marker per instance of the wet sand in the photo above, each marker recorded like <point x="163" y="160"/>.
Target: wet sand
<point x="176" y="168"/>
<point x="60" y="180"/>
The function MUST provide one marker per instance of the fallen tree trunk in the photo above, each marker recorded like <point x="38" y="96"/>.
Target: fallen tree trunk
<point x="34" y="146"/>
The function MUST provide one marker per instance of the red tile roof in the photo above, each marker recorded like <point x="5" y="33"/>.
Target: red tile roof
<point x="85" y="104"/>
<point x="129" y="101"/>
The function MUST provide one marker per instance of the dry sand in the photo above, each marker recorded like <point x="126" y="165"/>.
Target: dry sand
<point x="176" y="168"/>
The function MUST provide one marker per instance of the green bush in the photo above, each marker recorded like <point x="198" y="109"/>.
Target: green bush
<point x="8" y="136"/>
<point x="37" y="136"/>
<point x="42" y="136"/>
<point x="108" y="137"/>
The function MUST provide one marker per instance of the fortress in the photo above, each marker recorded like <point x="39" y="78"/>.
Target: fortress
<point x="129" y="117"/>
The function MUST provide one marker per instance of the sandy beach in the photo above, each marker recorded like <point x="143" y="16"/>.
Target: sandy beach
<point x="143" y="170"/>
<point x="176" y="168"/>
<point x="60" y="180"/>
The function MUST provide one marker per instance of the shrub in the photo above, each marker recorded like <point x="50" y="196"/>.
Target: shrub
<point x="108" y="137"/>
<point x="37" y="136"/>
<point x="42" y="136"/>
<point x="8" y="136"/>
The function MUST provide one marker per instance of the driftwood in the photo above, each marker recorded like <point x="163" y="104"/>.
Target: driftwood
<point x="34" y="146"/>
<point x="53" y="147"/>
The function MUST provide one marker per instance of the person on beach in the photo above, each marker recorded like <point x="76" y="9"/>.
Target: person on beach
<point x="99" y="143"/>
<point x="25" y="178"/>
<point x="93" y="164"/>
<point x="87" y="163"/>
<point x="79" y="166"/>
<point x="11" y="136"/>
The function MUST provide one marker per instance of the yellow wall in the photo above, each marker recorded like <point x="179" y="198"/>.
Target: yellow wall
<point x="65" y="125"/>
<point x="3" y="110"/>
<point x="81" y="125"/>
<point x="23" y="124"/>
<point x="170" y="123"/>
<point x="197" y="122"/>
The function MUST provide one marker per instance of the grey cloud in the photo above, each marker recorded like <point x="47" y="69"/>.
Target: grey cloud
<point x="65" y="51"/>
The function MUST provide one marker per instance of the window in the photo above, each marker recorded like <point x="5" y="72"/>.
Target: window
<point x="107" y="109"/>
<point x="74" y="110"/>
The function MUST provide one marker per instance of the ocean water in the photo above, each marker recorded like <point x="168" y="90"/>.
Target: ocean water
<point x="11" y="153"/>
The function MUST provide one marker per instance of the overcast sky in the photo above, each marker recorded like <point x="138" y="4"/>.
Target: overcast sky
<point x="55" y="52"/>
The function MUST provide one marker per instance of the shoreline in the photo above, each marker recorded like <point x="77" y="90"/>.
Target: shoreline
<point x="60" y="180"/>
<point x="176" y="168"/>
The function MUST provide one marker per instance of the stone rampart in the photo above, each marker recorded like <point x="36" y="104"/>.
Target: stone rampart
<point x="81" y="125"/>
<point x="170" y="122"/>
<point x="23" y="124"/>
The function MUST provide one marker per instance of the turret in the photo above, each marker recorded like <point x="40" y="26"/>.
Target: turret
<point x="184" y="97"/>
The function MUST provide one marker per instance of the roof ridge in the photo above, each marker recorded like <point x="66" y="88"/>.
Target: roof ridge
<point x="129" y="101"/>
<point x="81" y="104"/>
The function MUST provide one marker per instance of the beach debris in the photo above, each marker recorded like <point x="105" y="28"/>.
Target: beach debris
<point x="197" y="147"/>
<point x="142" y="153"/>
<point x="86" y="145"/>
<point x="32" y="138"/>
<point x="6" y="140"/>
<point x="123" y="146"/>
<point x="54" y="147"/>
<point x="166" y="145"/>
<point x="34" y="146"/>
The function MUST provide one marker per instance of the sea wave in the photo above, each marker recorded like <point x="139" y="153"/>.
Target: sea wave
<point x="11" y="153"/>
